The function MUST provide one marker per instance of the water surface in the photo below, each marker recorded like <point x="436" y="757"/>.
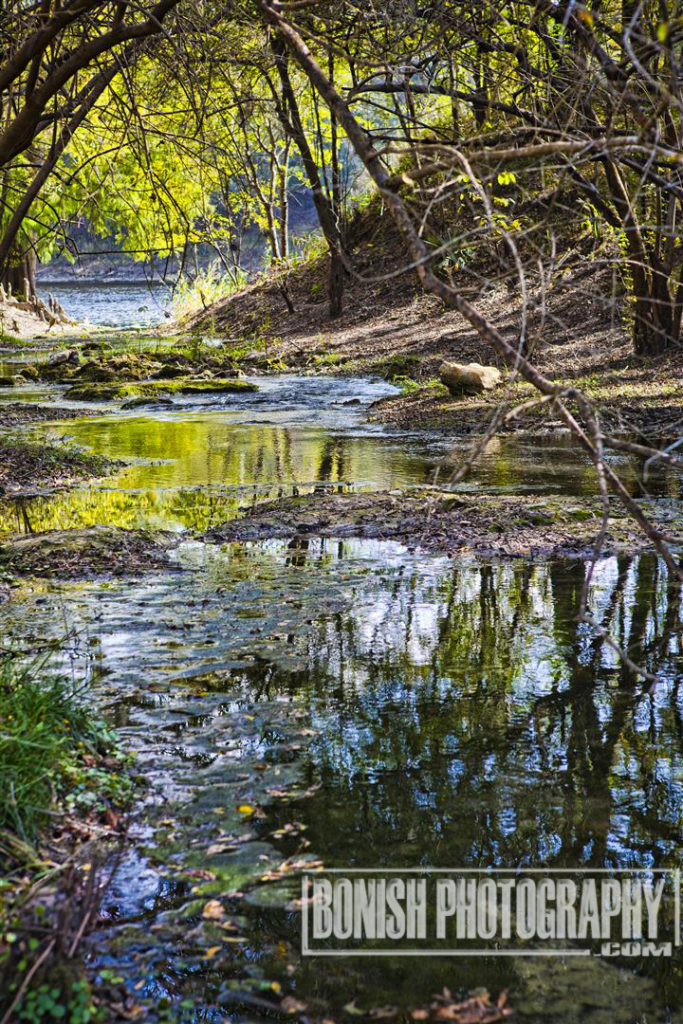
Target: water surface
<point x="377" y="707"/>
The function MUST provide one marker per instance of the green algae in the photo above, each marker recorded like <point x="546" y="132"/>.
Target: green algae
<point x="105" y="392"/>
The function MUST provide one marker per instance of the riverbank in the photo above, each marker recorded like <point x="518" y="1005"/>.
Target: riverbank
<point x="312" y="653"/>
<point x="65" y="786"/>
<point x="36" y="463"/>
<point x="499" y="526"/>
<point x="576" y="325"/>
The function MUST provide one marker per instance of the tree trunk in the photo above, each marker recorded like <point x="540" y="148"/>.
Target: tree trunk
<point x="363" y="145"/>
<point x="653" y="325"/>
<point x="18" y="275"/>
<point x="290" y="118"/>
<point x="656" y="323"/>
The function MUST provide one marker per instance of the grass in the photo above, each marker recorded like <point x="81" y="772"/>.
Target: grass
<point x="51" y="749"/>
<point x="59" y="765"/>
<point x="207" y="287"/>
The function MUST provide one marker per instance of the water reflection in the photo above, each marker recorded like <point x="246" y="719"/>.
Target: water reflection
<point x="196" y="469"/>
<point x="452" y="713"/>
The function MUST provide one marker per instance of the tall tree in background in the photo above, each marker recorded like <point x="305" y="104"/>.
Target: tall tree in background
<point x="56" y="60"/>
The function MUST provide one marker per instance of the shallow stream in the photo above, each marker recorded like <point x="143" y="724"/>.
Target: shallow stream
<point x="364" y="706"/>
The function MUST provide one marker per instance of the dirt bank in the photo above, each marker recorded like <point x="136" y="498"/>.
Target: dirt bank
<point x="95" y="551"/>
<point x="30" y="464"/>
<point x="453" y="524"/>
<point x="20" y="414"/>
<point x="576" y="329"/>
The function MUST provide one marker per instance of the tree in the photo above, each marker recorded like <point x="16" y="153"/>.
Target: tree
<point x="586" y="428"/>
<point x="57" y="60"/>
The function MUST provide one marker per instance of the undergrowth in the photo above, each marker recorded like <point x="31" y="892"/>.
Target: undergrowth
<point x="61" y="779"/>
<point x="205" y="288"/>
<point x="51" y="746"/>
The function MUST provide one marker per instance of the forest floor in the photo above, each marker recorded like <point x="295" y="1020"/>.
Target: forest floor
<point x="576" y="330"/>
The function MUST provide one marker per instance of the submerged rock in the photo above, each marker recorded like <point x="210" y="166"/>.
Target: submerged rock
<point x="469" y="378"/>
<point x="154" y="403"/>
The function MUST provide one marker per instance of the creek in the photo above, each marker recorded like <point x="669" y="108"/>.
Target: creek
<point x="356" y="703"/>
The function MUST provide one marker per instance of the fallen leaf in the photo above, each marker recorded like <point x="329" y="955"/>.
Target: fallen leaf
<point x="353" y="1009"/>
<point x="219" y="848"/>
<point x="213" y="911"/>
<point x="291" y="1005"/>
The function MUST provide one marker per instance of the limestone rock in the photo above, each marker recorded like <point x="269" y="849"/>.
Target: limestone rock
<point x="68" y="355"/>
<point x="469" y="378"/>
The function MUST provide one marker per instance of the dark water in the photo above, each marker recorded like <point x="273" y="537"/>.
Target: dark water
<point x="377" y="707"/>
<point x="452" y="713"/>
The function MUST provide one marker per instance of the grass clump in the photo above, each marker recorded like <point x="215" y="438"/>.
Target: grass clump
<point x="205" y="288"/>
<point x="54" y="753"/>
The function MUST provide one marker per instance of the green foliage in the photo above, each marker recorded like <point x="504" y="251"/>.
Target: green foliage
<point x="49" y="743"/>
<point x="70" y="1003"/>
<point x="208" y="286"/>
<point x="409" y="386"/>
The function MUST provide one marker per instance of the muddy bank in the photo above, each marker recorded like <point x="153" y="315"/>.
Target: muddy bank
<point x="20" y="414"/>
<point x="644" y="403"/>
<point x="453" y="524"/>
<point x="30" y="464"/>
<point x="78" y="554"/>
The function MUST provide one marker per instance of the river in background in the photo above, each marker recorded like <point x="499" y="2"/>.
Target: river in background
<point x="369" y="706"/>
<point x="116" y="304"/>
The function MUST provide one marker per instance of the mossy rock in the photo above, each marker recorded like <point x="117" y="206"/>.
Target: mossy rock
<point x="154" y="388"/>
<point x="29" y="372"/>
<point x="6" y="382"/>
<point x="95" y="373"/>
<point x="170" y="372"/>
